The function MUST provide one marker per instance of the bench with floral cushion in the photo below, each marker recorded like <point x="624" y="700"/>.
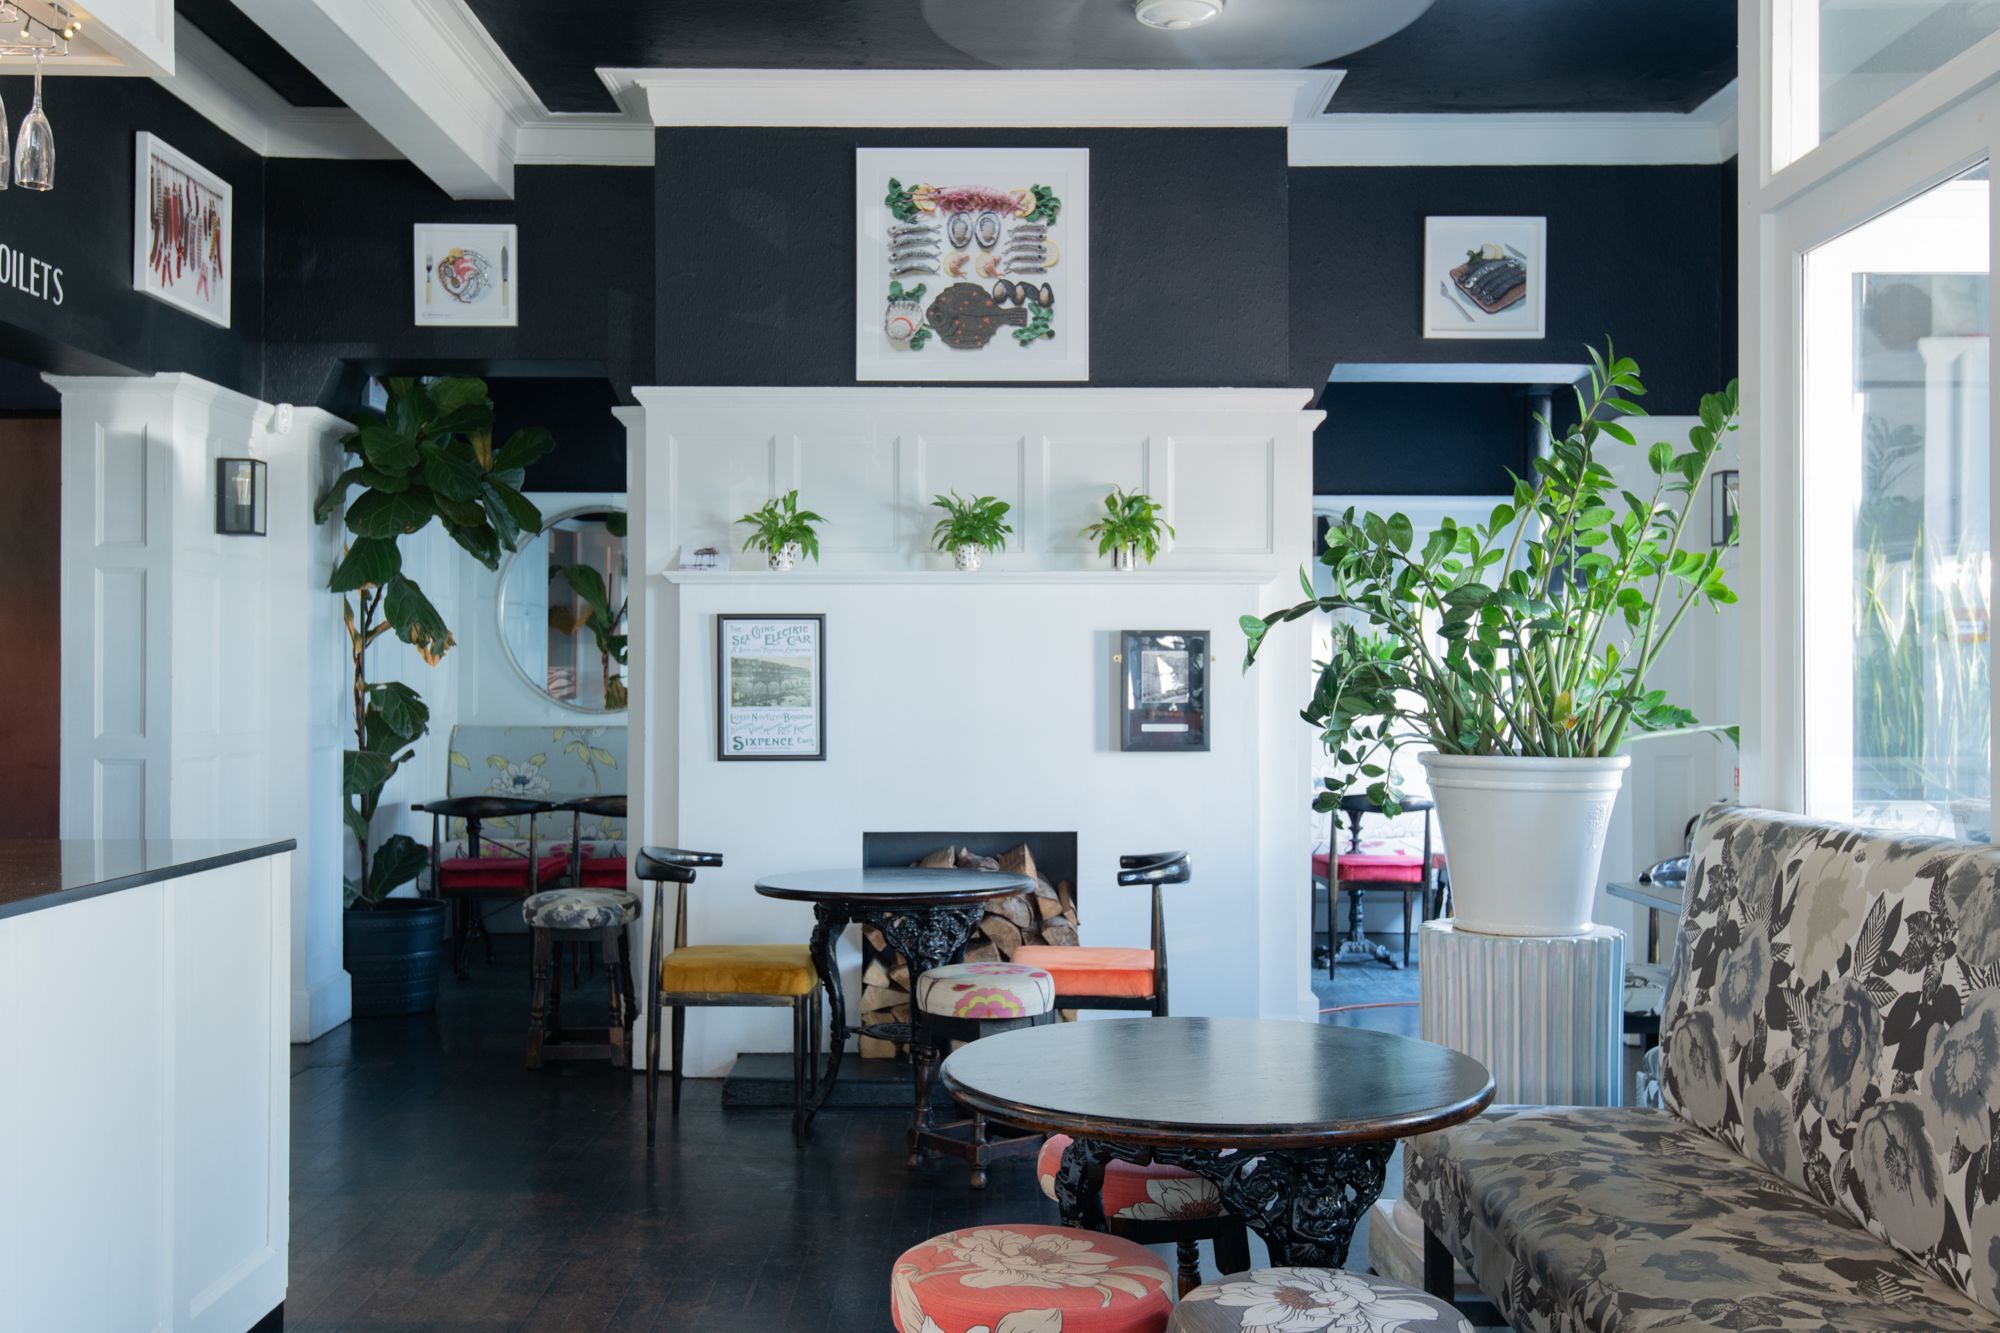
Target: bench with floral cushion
<point x="1828" y="1155"/>
<point x="552" y="764"/>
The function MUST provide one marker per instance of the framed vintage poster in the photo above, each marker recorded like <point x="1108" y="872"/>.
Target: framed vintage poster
<point x="467" y="274"/>
<point x="182" y="232"/>
<point x="1163" y="690"/>
<point x="972" y="264"/>
<point x="770" y="687"/>
<point x="1485" y="277"/>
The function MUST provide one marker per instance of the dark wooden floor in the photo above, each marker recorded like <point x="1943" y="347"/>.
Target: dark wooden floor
<point x="437" y="1184"/>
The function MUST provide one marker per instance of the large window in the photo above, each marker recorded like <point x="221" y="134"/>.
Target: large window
<point x="1844" y="58"/>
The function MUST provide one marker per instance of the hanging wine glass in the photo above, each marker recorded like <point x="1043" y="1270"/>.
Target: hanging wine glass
<point x="5" y="154"/>
<point x="35" y="148"/>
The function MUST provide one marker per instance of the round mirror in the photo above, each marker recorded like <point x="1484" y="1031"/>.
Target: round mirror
<point x="562" y="609"/>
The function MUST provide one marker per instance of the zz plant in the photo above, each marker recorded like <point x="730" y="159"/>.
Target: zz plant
<point x="980" y="521"/>
<point x="428" y="456"/>
<point x="1131" y="522"/>
<point x="1531" y="633"/>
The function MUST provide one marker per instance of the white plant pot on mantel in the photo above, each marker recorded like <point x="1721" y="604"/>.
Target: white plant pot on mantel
<point x="786" y="557"/>
<point x="967" y="557"/>
<point x="1525" y="837"/>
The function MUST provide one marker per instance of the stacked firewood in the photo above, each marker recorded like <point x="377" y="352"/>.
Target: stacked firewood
<point x="1046" y="916"/>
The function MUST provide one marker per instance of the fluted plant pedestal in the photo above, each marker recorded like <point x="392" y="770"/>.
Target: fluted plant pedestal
<point x="1543" y="1013"/>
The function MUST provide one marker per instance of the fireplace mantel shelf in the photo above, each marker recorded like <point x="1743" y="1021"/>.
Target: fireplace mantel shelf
<point x="985" y="578"/>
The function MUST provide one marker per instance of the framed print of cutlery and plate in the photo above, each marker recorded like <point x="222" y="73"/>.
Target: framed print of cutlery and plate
<point x="972" y="264"/>
<point x="467" y="274"/>
<point x="182" y="230"/>
<point x="1485" y="277"/>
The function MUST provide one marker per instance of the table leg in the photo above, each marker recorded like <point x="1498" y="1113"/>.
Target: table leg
<point x="1357" y="945"/>
<point x="927" y="937"/>
<point x="828" y="923"/>
<point x="1304" y="1202"/>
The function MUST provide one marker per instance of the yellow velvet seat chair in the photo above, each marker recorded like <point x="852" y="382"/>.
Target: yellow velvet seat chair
<point x="721" y="976"/>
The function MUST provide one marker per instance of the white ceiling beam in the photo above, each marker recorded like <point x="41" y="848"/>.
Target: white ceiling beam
<point x="242" y="105"/>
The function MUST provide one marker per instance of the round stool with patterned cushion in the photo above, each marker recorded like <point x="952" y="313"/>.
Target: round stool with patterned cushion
<point x="964" y="1002"/>
<point x="1029" y="1279"/>
<point x="559" y="918"/>
<point x="1313" y="1300"/>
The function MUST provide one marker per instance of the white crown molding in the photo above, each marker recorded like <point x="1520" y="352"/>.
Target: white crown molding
<point x="899" y="399"/>
<point x="243" y="106"/>
<point x="1704" y="136"/>
<point x="968" y="99"/>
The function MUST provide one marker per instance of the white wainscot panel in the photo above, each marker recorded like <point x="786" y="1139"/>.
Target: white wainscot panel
<point x="121" y="797"/>
<point x="1219" y="494"/>
<point x="121" y="491"/>
<point x="716" y="480"/>
<point x="1077" y="472"/>
<point x="972" y="465"/>
<point x="121" y="654"/>
<point x="851" y="479"/>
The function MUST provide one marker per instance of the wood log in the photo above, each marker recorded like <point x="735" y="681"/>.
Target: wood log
<point x="1059" y="932"/>
<point x="944" y="858"/>
<point x="1019" y="861"/>
<point x="970" y="861"/>
<point x="899" y="974"/>
<point x="1051" y="901"/>
<point x="874" y="1048"/>
<point x="988" y="952"/>
<point x="875" y="938"/>
<point x="1067" y="897"/>
<point x="880" y="997"/>
<point x="1004" y="933"/>
<point x="1015" y="907"/>
<point x="875" y="974"/>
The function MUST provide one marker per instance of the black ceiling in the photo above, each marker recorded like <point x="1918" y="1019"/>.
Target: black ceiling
<point x="1464" y="55"/>
<point x="236" y="33"/>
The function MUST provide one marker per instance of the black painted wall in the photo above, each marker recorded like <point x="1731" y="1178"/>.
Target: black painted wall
<point x="339" y="285"/>
<point x="84" y="227"/>
<point x="1645" y="255"/>
<point x="1189" y="264"/>
<point x="1422" y="439"/>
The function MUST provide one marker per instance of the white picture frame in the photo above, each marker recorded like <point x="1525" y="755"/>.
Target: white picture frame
<point x="183" y="231"/>
<point x="1060" y="353"/>
<point x="1452" y="309"/>
<point x="466" y="274"/>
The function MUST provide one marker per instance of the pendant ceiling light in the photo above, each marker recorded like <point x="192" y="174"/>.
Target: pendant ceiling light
<point x="1166" y="34"/>
<point x="23" y="34"/>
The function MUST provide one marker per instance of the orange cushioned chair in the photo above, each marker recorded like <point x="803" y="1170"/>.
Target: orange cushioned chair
<point x="1095" y="978"/>
<point x="492" y="871"/>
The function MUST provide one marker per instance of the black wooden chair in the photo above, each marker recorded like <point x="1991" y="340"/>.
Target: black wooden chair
<point x="485" y="871"/>
<point x="721" y="975"/>
<point x="1103" y="978"/>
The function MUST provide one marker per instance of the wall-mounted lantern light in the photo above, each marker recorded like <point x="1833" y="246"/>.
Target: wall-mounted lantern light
<point x="239" y="497"/>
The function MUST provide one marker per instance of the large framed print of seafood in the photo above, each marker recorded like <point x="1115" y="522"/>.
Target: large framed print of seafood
<point x="182" y="231"/>
<point x="972" y="264"/>
<point x="467" y="274"/>
<point x="1485" y="277"/>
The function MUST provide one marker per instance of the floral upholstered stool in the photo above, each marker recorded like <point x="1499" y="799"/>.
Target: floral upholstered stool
<point x="1029" y="1279"/>
<point x="1313" y="1300"/>
<point x="964" y="1002"/>
<point x="578" y="918"/>
<point x="1154" y="1203"/>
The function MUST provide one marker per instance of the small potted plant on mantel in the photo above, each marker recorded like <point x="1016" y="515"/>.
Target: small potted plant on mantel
<point x="1131" y="527"/>
<point x="1517" y="649"/>
<point x="970" y="528"/>
<point x="783" y="531"/>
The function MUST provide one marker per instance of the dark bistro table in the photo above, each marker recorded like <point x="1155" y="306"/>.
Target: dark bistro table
<point x="1292" y="1122"/>
<point x="926" y="915"/>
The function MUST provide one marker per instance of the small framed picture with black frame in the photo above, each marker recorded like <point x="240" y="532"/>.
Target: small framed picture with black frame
<point x="1163" y="690"/>
<point x="770" y="687"/>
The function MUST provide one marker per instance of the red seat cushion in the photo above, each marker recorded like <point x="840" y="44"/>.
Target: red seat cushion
<point x="498" y="873"/>
<point x="1152" y="1192"/>
<point x="1024" y="1276"/>
<point x="1125" y="974"/>
<point x="1377" y="867"/>
<point x="603" y="872"/>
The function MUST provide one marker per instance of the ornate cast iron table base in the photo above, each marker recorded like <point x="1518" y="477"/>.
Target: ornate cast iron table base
<point x="1304" y="1202"/>
<point x="927" y="935"/>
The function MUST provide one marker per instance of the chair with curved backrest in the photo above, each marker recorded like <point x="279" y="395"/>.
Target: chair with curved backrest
<point x="1100" y="978"/>
<point x="721" y="975"/>
<point x="594" y="872"/>
<point x="1359" y="871"/>
<point x="465" y="880"/>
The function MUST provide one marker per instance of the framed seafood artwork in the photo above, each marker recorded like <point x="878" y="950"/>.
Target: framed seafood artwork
<point x="467" y="274"/>
<point x="972" y="264"/>
<point x="1485" y="277"/>
<point x="182" y="232"/>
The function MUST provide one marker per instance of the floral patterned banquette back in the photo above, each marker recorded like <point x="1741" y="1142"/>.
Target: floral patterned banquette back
<point x="1834" y="1015"/>
<point x="538" y="764"/>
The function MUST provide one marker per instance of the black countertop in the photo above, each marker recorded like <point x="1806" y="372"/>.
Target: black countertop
<point x="48" y="873"/>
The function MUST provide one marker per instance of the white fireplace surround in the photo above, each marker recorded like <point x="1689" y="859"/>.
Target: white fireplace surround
<point x="984" y="700"/>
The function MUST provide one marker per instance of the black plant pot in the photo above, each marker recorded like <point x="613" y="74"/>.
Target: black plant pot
<point x="395" y="951"/>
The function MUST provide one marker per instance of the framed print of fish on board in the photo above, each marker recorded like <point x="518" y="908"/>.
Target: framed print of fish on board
<point x="467" y="274"/>
<point x="972" y="264"/>
<point x="1485" y="277"/>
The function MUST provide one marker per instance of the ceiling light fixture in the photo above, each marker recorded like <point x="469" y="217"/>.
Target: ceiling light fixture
<point x="34" y="157"/>
<point x="1176" y="15"/>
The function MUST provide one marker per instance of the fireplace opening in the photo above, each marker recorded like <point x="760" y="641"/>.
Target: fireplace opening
<point x="1046" y="916"/>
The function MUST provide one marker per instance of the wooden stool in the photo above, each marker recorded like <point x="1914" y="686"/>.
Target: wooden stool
<point x="580" y="918"/>
<point x="964" y="1002"/>
<point x="1156" y="1204"/>
<point x="1315" y="1298"/>
<point x="1056" y="1277"/>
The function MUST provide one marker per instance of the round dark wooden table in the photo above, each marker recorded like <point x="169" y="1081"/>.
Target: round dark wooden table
<point x="927" y="915"/>
<point x="1292" y="1122"/>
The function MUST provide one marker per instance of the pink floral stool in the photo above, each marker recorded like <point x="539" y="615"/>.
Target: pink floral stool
<point x="1029" y="1279"/>
<point x="1155" y="1204"/>
<point x="964" y="1002"/>
<point x="1312" y="1300"/>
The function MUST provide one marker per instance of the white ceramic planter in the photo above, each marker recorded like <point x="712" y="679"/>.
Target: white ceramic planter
<point x="1526" y="838"/>
<point x="785" y="557"/>
<point x="967" y="556"/>
<point x="1125" y="559"/>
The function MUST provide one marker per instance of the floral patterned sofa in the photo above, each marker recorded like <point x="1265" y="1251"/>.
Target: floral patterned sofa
<point x="537" y="764"/>
<point x="1828" y="1156"/>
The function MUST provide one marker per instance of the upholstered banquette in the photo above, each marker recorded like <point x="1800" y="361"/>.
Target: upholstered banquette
<point x="1827" y="1157"/>
<point x="552" y="764"/>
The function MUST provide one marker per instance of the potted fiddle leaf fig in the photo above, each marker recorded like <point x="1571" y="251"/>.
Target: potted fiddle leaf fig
<point x="1517" y="648"/>
<point x="783" y="531"/>
<point x="1131" y="527"/>
<point x="970" y="528"/>
<point x="427" y="457"/>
